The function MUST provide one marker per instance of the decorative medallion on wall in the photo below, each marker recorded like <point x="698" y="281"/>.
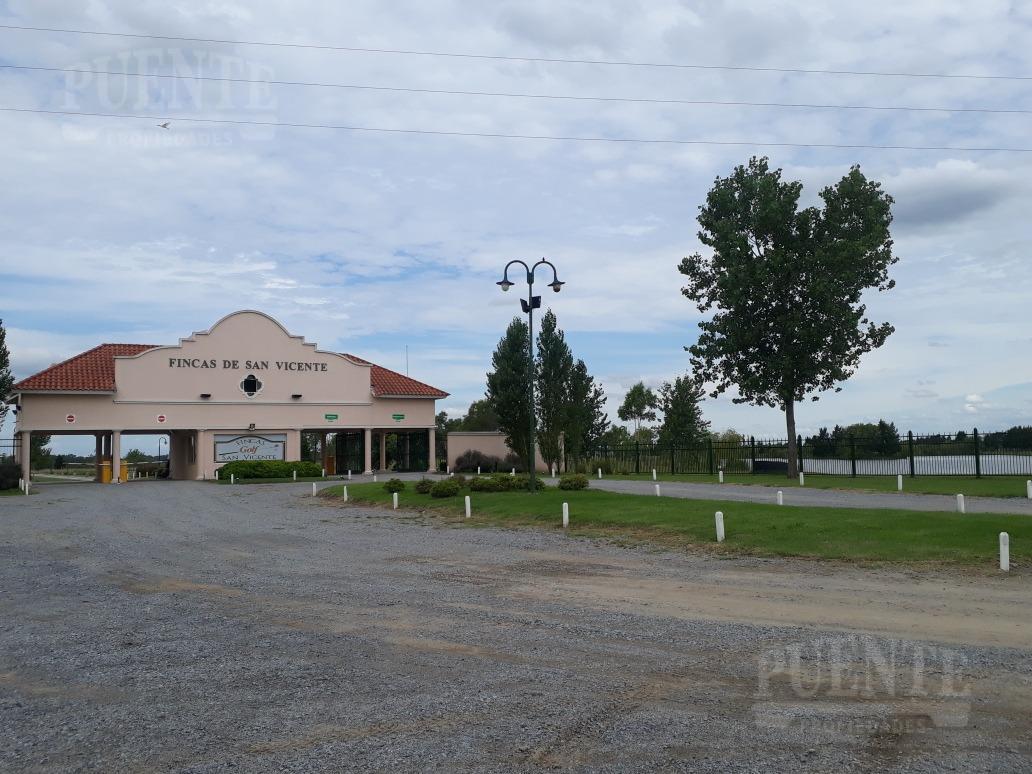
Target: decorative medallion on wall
<point x="251" y="385"/>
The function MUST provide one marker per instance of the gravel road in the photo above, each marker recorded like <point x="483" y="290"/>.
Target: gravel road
<point x="818" y="497"/>
<point x="178" y="626"/>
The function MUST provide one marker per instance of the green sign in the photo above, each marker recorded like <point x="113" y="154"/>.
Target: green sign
<point x="397" y="417"/>
<point x="331" y="417"/>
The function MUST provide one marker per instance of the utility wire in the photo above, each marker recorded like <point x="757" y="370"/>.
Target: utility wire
<point x="549" y="60"/>
<point x="524" y="95"/>
<point x="501" y="135"/>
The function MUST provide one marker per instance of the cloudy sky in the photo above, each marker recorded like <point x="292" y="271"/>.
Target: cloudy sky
<point x="113" y="229"/>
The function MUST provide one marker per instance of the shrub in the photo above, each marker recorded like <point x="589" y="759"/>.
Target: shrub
<point x="471" y="459"/>
<point x="573" y="481"/>
<point x="485" y="484"/>
<point x="446" y="488"/>
<point x="460" y="480"/>
<point x="9" y="475"/>
<point x="424" y="485"/>
<point x="395" y="485"/>
<point x="512" y="461"/>
<point x="244" y="469"/>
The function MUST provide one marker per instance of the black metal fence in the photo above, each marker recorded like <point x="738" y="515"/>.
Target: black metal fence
<point x="941" y="454"/>
<point x="8" y="449"/>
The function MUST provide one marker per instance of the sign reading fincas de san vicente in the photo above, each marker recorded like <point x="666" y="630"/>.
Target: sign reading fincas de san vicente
<point x="230" y="448"/>
<point x="248" y="365"/>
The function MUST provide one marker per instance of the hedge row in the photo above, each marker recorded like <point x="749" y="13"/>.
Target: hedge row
<point x="269" y="469"/>
<point x="10" y="473"/>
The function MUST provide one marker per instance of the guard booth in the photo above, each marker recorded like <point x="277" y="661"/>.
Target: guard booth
<point x="246" y="388"/>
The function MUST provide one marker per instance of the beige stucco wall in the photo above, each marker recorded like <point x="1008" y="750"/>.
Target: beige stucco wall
<point x="492" y="443"/>
<point x="159" y="383"/>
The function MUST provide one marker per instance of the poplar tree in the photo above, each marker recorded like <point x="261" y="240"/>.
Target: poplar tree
<point x="508" y="388"/>
<point x="6" y="378"/>
<point x="586" y="421"/>
<point x="554" y="370"/>
<point x="639" y="405"/>
<point x="786" y="286"/>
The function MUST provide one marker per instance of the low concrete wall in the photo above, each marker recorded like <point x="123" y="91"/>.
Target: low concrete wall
<point x="492" y="443"/>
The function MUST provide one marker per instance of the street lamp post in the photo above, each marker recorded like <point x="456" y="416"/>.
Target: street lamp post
<point x="531" y="303"/>
<point x="161" y="439"/>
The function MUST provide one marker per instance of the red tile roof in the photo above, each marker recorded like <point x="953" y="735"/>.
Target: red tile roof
<point x="94" y="371"/>
<point x="91" y="371"/>
<point x="388" y="383"/>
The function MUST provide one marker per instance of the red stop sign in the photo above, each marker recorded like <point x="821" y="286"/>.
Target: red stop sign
<point x="70" y="418"/>
<point x="161" y="419"/>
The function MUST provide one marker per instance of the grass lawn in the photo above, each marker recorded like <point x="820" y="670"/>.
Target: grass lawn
<point x="989" y="486"/>
<point x="827" y="533"/>
<point x="16" y="492"/>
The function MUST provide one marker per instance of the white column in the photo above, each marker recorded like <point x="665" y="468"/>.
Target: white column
<point x="25" y="450"/>
<point x="432" y="450"/>
<point x="116" y="455"/>
<point x="367" y="449"/>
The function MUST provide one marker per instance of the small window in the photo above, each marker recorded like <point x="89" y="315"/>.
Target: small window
<point x="251" y="385"/>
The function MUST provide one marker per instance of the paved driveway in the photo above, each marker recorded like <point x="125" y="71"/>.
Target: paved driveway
<point x="818" y="497"/>
<point x="159" y="626"/>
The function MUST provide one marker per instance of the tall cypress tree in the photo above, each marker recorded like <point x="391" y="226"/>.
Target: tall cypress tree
<point x="554" y="368"/>
<point x="6" y="379"/>
<point x="508" y="388"/>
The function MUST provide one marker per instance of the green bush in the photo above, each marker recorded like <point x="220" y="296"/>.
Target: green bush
<point x="460" y="480"/>
<point x="573" y="481"/>
<point x="484" y="484"/>
<point x="395" y="485"/>
<point x="446" y="488"/>
<point x="9" y="475"/>
<point x="424" y="485"/>
<point x="244" y="469"/>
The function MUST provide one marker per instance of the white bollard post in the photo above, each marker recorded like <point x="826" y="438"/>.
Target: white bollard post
<point x="553" y="471"/>
<point x="802" y="479"/>
<point x="513" y="472"/>
<point x="1028" y="489"/>
<point x="447" y="469"/>
<point x="781" y="497"/>
<point x="232" y="478"/>
<point x="394" y="500"/>
<point x="657" y="490"/>
<point x="374" y="478"/>
<point x="653" y="474"/>
<point x="345" y="493"/>
<point x="314" y="493"/>
<point x="600" y="474"/>
<point x="324" y="472"/>
<point x="21" y="483"/>
<point x="216" y="475"/>
<point x="899" y="482"/>
<point x="566" y="515"/>
<point x="478" y="470"/>
<point x="1005" y="552"/>
<point x="349" y="475"/>
<point x="720" y="476"/>
<point x="720" y="526"/>
<point x="295" y="475"/>
<point x="450" y="475"/>
<point x="468" y="507"/>
<point x="960" y="504"/>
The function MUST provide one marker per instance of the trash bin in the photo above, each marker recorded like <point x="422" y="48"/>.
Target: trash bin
<point x="105" y="472"/>
<point x="331" y="466"/>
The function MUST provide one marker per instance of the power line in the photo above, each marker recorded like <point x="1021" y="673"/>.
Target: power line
<point x="524" y="95"/>
<point x="501" y="135"/>
<point x="546" y="60"/>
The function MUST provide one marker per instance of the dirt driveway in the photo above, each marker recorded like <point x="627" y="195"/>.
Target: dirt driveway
<point x="192" y="627"/>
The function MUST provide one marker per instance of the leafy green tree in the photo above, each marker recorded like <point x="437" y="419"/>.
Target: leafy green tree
<point x="786" y="284"/>
<point x="617" y="435"/>
<point x="682" y="416"/>
<point x="6" y="378"/>
<point x="586" y="422"/>
<point x="39" y="451"/>
<point x="553" y="372"/>
<point x="479" y="418"/>
<point x="134" y="456"/>
<point x="508" y="388"/>
<point x="639" y="405"/>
